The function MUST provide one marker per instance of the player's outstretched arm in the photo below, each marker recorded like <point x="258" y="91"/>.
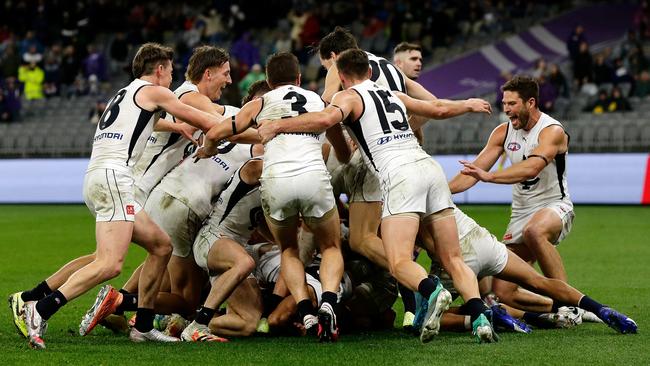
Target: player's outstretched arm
<point x="159" y="97"/>
<point x="228" y="127"/>
<point x="416" y="90"/>
<point x="484" y="161"/>
<point x="315" y="122"/>
<point x="442" y="108"/>
<point x="332" y="84"/>
<point x="184" y="129"/>
<point x="550" y="142"/>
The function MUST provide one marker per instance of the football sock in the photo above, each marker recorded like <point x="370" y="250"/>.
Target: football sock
<point x="556" y="305"/>
<point x="50" y="304"/>
<point x="475" y="307"/>
<point x="271" y="304"/>
<point x="144" y="320"/>
<point x="426" y="287"/>
<point x="203" y="315"/>
<point x="129" y="302"/>
<point x="40" y="291"/>
<point x="408" y="298"/>
<point x="589" y="304"/>
<point x="305" y="307"/>
<point x="329" y="297"/>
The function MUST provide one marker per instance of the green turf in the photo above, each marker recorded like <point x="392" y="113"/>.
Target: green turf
<point x="606" y="256"/>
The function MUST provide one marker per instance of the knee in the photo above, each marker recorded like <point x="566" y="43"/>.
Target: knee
<point x="246" y="264"/>
<point x="110" y="270"/>
<point x="163" y="247"/>
<point x="533" y="235"/>
<point x="277" y="319"/>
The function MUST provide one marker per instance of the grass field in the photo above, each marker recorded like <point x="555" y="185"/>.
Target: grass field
<point x="606" y="256"/>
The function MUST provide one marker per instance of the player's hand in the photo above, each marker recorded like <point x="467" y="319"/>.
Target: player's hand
<point x="478" y="105"/>
<point x="187" y="131"/>
<point x="474" y="171"/>
<point x="266" y="130"/>
<point x="203" y="153"/>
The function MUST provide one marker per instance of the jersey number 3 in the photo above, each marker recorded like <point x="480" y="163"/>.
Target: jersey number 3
<point x="299" y="104"/>
<point x="112" y="110"/>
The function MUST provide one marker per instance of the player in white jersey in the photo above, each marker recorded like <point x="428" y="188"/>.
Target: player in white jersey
<point x="413" y="184"/>
<point x="295" y="182"/>
<point x="486" y="256"/>
<point x="108" y="191"/>
<point x="219" y="250"/>
<point x="408" y="58"/>
<point x="542" y="212"/>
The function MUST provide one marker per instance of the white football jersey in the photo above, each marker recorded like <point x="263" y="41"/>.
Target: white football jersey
<point x="382" y="132"/>
<point x="386" y="74"/>
<point x="122" y="131"/>
<point x="237" y="210"/>
<point x="551" y="183"/>
<point x="164" y="150"/>
<point x="291" y="154"/>
<point x="199" y="184"/>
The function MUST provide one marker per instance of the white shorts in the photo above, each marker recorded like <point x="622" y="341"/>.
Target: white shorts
<point x="201" y="249"/>
<point x="362" y="183"/>
<point x="309" y="194"/>
<point x="515" y="230"/>
<point x="482" y="253"/>
<point x="140" y="196"/>
<point x="109" y="195"/>
<point x="419" y="187"/>
<point x="175" y="218"/>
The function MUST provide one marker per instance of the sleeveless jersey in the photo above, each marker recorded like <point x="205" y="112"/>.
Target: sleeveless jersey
<point x="122" y="131"/>
<point x="165" y="150"/>
<point x="550" y="184"/>
<point x="199" y="184"/>
<point x="386" y="74"/>
<point x="291" y="154"/>
<point x="237" y="210"/>
<point x="382" y="132"/>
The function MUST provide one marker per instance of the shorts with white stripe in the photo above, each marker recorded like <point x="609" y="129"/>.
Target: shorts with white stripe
<point x="109" y="195"/>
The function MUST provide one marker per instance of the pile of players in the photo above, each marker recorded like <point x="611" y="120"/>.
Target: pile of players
<point x="240" y="211"/>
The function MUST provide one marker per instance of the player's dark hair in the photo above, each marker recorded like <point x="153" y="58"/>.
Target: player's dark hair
<point x="339" y="40"/>
<point x="353" y="63"/>
<point x="282" y="68"/>
<point x="525" y="86"/>
<point x="148" y="57"/>
<point x="406" y="46"/>
<point x="203" y="58"/>
<point x="256" y="89"/>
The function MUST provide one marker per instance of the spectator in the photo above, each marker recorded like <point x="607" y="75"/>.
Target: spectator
<point x="9" y="63"/>
<point x="540" y="68"/>
<point x="547" y="94"/>
<point x="621" y="72"/>
<point x="95" y="64"/>
<point x="583" y="66"/>
<point x="5" y="112"/>
<point x="603" y="72"/>
<point x="557" y="78"/>
<point x="69" y="69"/>
<point x="600" y="105"/>
<point x="32" y="55"/>
<point x="254" y="75"/>
<point x="245" y="52"/>
<point x="617" y="102"/>
<point x="32" y="77"/>
<point x="576" y="38"/>
<point x="283" y="42"/>
<point x="119" y="52"/>
<point x="642" y="87"/>
<point x="97" y="111"/>
<point x="12" y="97"/>
<point x="52" y="70"/>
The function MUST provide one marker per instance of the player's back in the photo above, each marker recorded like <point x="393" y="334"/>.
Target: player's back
<point x="122" y="131"/>
<point x="386" y="74"/>
<point x="291" y="154"/>
<point x="382" y="131"/>
<point x="551" y="183"/>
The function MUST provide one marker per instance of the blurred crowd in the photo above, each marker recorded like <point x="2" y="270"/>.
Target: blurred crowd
<point x="72" y="48"/>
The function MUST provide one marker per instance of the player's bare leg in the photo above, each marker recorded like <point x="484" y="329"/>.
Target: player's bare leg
<point x="243" y="313"/>
<point x="365" y="218"/>
<point x="186" y="280"/>
<point x="543" y="228"/>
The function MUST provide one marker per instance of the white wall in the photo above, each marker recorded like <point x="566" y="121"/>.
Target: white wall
<point x="593" y="178"/>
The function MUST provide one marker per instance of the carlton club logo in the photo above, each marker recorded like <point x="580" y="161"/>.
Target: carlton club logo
<point x="514" y="146"/>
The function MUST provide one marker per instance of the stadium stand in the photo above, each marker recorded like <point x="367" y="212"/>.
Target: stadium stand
<point x="58" y="124"/>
